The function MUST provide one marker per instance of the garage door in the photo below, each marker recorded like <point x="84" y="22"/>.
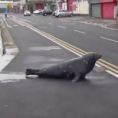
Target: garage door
<point x="96" y="10"/>
<point x="2" y="10"/>
<point x="39" y="6"/>
<point x="108" y="10"/>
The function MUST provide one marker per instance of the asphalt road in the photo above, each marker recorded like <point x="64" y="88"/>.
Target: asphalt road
<point x="49" y="98"/>
<point x="46" y="98"/>
<point x="35" y="50"/>
<point x="87" y="37"/>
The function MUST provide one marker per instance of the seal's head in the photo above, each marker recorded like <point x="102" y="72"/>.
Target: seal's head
<point x="92" y="56"/>
<point x="90" y="60"/>
<point x="95" y="56"/>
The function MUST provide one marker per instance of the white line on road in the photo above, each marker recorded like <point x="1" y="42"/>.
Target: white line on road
<point x="79" y="31"/>
<point x="44" y="27"/>
<point x="25" y="20"/>
<point x="50" y="23"/>
<point x="5" y="60"/>
<point x="63" y="27"/>
<point x="45" y="48"/>
<point x="105" y="38"/>
<point x="11" y="77"/>
<point x="8" y="57"/>
<point x="15" y="25"/>
<point x="9" y="26"/>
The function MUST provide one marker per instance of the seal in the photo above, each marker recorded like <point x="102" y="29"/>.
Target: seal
<point x="76" y="68"/>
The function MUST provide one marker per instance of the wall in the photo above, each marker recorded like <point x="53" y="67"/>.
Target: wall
<point x="83" y="7"/>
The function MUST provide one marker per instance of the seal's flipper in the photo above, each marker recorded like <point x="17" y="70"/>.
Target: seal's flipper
<point x="32" y="71"/>
<point x="78" y="77"/>
<point x="82" y="77"/>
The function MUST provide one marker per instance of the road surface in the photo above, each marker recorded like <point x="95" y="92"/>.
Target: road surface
<point x="49" y="98"/>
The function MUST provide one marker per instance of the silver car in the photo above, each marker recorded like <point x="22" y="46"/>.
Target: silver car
<point x="62" y="13"/>
<point x="27" y="13"/>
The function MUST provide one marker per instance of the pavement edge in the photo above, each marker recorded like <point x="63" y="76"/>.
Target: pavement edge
<point x="9" y="48"/>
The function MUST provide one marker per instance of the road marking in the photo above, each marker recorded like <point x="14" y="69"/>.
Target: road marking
<point x="63" y="27"/>
<point x="111" y="73"/>
<point x="25" y="20"/>
<point x="109" y="28"/>
<point x="50" y="23"/>
<point x="9" y="26"/>
<point x="79" y="31"/>
<point x="44" y="27"/>
<point x="8" y="57"/>
<point x="5" y="60"/>
<point x="15" y="25"/>
<point x="45" y="48"/>
<point x="105" y="38"/>
<point x="11" y="77"/>
<point x="76" y="50"/>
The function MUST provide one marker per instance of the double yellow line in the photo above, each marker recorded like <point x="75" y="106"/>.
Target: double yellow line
<point x="76" y="50"/>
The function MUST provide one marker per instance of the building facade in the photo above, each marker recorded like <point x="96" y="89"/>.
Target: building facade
<point x="76" y="6"/>
<point x="103" y="8"/>
<point x="21" y="5"/>
<point x="41" y="4"/>
<point x="6" y="5"/>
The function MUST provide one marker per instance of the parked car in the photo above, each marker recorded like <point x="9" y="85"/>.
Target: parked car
<point x="53" y="13"/>
<point x="46" y="12"/>
<point x="38" y="11"/>
<point x="27" y="13"/>
<point x="62" y="13"/>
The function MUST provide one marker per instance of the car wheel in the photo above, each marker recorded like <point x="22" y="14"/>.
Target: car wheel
<point x="44" y="14"/>
<point x="71" y="15"/>
<point x="59" y="16"/>
<point x="56" y="16"/>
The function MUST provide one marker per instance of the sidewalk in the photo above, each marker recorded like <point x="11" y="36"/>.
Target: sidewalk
<point x="8" y="48"/>
<point x="110" y="23"/>
<point x="115" y="26"/>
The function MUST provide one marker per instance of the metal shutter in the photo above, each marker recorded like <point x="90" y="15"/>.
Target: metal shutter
<point x="96" y="10"/>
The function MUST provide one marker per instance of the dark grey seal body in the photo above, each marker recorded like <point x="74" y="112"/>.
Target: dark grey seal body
<point x="76" y="68"/>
